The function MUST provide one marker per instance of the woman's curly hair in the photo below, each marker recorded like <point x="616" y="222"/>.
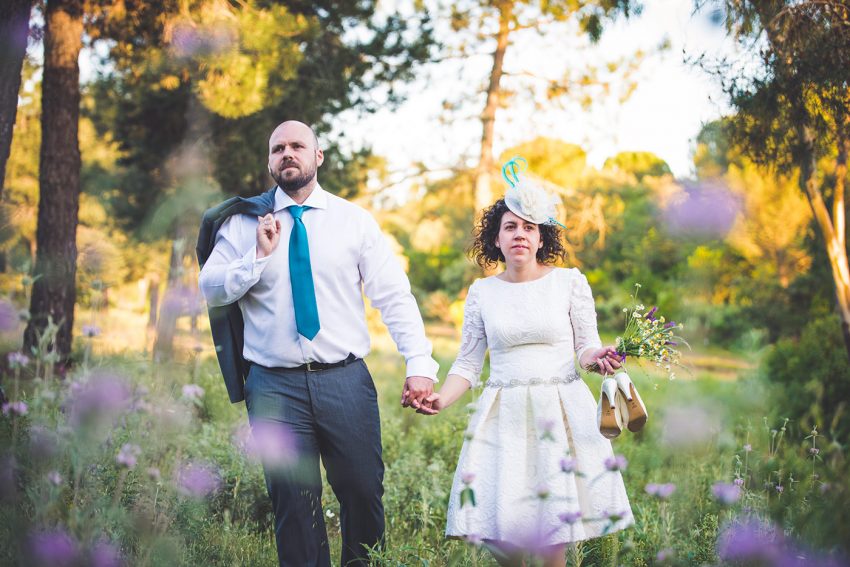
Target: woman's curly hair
<point x="486" y="253"/>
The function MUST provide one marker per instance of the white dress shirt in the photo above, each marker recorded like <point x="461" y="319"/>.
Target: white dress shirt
<point x="349" y="255"/>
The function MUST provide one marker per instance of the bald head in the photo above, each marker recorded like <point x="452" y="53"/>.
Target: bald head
<point x="294" y="158"/>
<point x="295" y="127"/>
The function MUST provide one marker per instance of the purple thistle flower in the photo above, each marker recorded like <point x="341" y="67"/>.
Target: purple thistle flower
<point x="91" y="331"/>
<point x="15" y="408"/>
<point x="660" y="491"/>
<point x="616" y="463"/>
<point x="750" y="541"/>
<point x="197" y="480"/>
<point x="467" y="477"/>
<point x="273" y="443"/>
<point x="613" y="517"/>
<point x="814" y="451"/>
<point x="193" y="392"/>
<point x="128" y="456"/>
<point x="18" y="359"/>
<point x="105" y="554"/>
<point x="569" y="465"/>
<point x="570" y="517"/>
<point x="739" y="482"/>
<point x="98" y="402"/>
<point x="53" y="548"/>
<point x="8" y="316"/>
<point x="154" y="474"/>
<point x="780" y="489"/>
<point x="542" y="491"/>
<point x="726" y="493"/>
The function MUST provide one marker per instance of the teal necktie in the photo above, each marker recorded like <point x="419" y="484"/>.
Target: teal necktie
<point x="301" y="277"/>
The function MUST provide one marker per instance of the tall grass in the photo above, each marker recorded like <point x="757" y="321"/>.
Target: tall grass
<point x="128" y="462"/>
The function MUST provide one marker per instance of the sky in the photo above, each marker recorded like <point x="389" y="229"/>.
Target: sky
<point x="672" y="101"/>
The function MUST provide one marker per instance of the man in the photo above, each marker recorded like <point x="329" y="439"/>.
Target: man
<point x="298" y="274"/>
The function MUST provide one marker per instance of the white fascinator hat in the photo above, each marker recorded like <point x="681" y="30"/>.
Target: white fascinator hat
<point x="525" y="198"/>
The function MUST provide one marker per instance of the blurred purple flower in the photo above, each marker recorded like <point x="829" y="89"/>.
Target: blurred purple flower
<point x="97" y="402"/>
<point x="154" y="474"/>
<point x="780" y="489"/>
<point x="197" y="480"/>
<point x="670" y="325"/>
<point x="8" y="316"/>
<point x="661" y="491"/>
<point x="748" y="448"/>
<point x="18" y="359"/>
<point x="570" y="517"/>
<point x="128" y="456"/>
<point x="542" y="491"/>
<point x="750" y="541"/>
<point x="664" y="555"/>
<point x="703" y="210"/>
<point x="739" y="482"/>
<point x="814" y="451"/>
<point x="616" y="463"/>
<point x="105" y="554"/>
<point x="613" y="516"/>
<point x="726" y="493"/>
<point x="54" y="478"/>
<point x="54" y="548"/>
<point x="193" y="392"/>
<point x="91" y="331"/>
<point x="651" y="314"/>
<point x="15" y="408"/>
<point x="467" y="477"/>
<point x="569" y="465"/>
<point x="273" y="444"/>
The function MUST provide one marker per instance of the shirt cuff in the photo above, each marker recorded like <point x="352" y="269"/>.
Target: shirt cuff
<point x="423" y="366"/>
<point x="254" y="265"/>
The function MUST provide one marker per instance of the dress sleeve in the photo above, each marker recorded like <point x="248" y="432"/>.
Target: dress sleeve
<point x="583" y="316"/>
<point x="473" y="342"/>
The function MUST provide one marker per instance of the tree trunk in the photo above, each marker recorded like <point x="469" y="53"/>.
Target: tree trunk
<point x="54" y="293"/>
<point x="14" y="29"/>
<point x="484" y="172"/>
<point x="836" y="248"/>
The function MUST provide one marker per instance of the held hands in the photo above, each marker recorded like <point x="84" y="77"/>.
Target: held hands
<point x="419" y="394"/>
<point x="606" y="358"/>
<point x="268" y="235"/>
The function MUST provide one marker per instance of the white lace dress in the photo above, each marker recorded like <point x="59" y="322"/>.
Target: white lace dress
<point x="533" y="456"/>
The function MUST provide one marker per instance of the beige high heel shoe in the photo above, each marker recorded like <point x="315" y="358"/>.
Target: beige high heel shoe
<point x="634" y="406"/>
<point x="609" y="413"/>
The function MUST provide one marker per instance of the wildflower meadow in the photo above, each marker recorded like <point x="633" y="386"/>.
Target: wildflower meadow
<point x="122" y="461"/>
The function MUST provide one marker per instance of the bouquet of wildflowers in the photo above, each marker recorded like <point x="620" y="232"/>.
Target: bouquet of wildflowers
<point x="649" y="336"/>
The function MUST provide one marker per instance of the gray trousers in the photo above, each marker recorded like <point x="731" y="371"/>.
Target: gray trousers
<point x="333" y="415"/>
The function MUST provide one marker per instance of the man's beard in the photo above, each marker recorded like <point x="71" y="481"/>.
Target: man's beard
<point x="294" y="183"/>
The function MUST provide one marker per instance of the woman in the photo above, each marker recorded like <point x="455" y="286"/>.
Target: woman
<point x="534" y="472"/>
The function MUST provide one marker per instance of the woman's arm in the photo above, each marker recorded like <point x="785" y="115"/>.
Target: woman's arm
<point x="453" y="388"/>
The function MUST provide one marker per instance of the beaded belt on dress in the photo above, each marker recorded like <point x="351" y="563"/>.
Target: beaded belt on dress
<point x="513" y="382"/>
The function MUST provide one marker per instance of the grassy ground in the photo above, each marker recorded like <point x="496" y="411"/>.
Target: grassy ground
<point x="699" y="429"/>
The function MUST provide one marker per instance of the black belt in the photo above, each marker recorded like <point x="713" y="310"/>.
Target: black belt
<point x="315" y="366"/>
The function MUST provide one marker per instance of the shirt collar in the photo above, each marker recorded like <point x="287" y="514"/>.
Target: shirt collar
<point x="318" y="199"/>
